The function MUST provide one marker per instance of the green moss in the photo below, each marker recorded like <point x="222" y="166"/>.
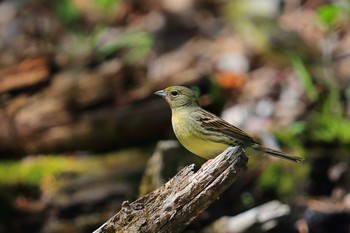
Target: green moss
<point x="32" y="170"/>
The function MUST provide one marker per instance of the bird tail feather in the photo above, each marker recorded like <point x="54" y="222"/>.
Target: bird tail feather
<point x="280" y="154"/>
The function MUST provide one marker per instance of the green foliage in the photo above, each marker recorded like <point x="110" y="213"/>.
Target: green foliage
<point x="130" y="46"/>
<point x="331" y="129"/>
<point x="33" y="170"/>
<point x="66" y="11"/>
<point x="292" y="136"/>
<point x="136" y="45"/>
<point x="304" y="75"/>
<point x="327" y="122"/>
<point x="277" y="179"/>
<point x="328" y="14"/>
<point x="330" y="124"/>
<point x="105" y="5"/>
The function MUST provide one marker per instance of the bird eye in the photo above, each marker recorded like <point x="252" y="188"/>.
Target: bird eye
<point x="174" y="93"/>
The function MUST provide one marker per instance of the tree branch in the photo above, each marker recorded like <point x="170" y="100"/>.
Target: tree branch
<point x="178" y="202"/>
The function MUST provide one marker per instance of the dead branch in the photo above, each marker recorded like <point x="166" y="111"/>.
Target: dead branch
<point x="178" y="202"/>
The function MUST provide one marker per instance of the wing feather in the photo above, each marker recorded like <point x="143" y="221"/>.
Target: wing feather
<point x="214" y="124"/>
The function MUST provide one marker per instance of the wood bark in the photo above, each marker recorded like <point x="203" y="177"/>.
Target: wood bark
<point x="172" y="207"/>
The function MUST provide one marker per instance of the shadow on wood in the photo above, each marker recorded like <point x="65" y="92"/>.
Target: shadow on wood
<point x="178" y="202"/>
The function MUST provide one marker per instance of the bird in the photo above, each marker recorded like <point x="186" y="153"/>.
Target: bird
<point x="204" y="133"/>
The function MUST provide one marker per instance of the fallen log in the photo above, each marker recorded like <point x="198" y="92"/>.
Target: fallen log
<point x="242" y="222"/>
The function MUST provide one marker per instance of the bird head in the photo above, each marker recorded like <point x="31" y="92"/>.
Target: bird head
<point x="178" y="96"/>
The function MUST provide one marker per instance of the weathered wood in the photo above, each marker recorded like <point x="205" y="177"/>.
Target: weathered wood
<point x="242" y="222"/>
<point x="168" y="158"/>
<point x="178" y="202"/>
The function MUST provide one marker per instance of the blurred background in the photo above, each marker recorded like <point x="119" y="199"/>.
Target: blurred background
<point x="80" y="128"/>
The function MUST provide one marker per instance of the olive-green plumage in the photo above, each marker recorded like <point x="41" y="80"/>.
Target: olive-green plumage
<point x="202" y="132"/>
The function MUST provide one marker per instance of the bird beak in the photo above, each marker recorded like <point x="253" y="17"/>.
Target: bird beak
<point x="161" y="93"/>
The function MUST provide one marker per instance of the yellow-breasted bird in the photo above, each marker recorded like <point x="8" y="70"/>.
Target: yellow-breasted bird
<point x="202" y="132"/>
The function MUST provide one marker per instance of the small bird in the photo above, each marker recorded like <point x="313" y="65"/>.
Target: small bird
<point x="203" y="133"/>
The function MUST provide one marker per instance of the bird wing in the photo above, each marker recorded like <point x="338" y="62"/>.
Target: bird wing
<point x="213" y="123"/>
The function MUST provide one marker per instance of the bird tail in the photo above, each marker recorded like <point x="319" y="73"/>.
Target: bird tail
<point x="280" y="154"/>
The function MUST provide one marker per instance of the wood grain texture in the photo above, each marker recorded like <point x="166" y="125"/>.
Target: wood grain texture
<point x="178" y="202"/>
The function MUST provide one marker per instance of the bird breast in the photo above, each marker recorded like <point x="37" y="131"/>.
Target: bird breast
<point x="189" y="136"/>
